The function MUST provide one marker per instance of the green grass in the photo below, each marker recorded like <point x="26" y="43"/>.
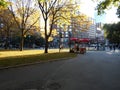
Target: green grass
<point x="9" y="53"/>
<point x="24" y="59"/>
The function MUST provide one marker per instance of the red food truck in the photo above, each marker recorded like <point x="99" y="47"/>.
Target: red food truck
<point x="79" y="45"/>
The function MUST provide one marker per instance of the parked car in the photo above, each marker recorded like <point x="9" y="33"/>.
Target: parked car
<point x="93" y="45"/>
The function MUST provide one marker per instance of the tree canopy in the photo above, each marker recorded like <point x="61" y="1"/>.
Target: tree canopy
<point x="50" y="11"/>
<point x="25" y="15"/>
<point x="3" y="3"/>
<point x="112" y="32"/>
<point x="107" y="4"/>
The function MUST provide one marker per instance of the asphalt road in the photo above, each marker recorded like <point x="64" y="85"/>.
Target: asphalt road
<point x="96" y="70"/>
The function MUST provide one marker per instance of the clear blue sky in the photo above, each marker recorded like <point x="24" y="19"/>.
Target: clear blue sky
<point x="100" y="18"/>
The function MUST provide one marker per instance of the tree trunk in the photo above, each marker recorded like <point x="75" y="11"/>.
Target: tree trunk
<point x="46" y="45"/>
<point x="46" y="38"/>
<point x="7" y="40"/>
<point x="6" y="43"/>
<point x="22" y="42"/>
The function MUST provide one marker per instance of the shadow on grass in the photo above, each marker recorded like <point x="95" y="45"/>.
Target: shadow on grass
<point x="18" y="60"/>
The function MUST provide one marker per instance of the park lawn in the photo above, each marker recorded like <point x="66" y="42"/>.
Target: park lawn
<point x="9" y="53"/>
<point x="26" y="59"/>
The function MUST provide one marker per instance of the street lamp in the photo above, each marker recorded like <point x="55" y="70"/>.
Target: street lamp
<point x="29" y="40"/>
<point x="69" y="36"/>
<point x="97" y="44"/>
<point x="59" y="36"/>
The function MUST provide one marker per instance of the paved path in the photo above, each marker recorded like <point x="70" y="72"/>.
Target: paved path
<point x="96" y="70"/>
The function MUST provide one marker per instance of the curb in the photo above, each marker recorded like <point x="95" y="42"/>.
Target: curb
<point x="40" y="62"/>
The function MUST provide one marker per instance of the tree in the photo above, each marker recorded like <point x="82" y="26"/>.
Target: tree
<point x="22" y="11"/>
<point x="81" y="23"/>
<point x="107" y="4"/>
<point x="8" y="23"/>
<point x="72" y="16"/>
<point x="3" y="3"/>
<point x="118" y="12"/>
<point x="112" y="32"/>
<point x="50" y="8"/>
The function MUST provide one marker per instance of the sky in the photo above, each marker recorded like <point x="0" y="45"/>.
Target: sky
<point x="88" y="7"/>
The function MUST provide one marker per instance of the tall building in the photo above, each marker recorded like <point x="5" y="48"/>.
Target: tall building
<point x="92" y="31"/>
<point x="100" y="32"/>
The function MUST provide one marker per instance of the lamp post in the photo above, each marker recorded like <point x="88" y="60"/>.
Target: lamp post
<point x="97" y="44"/>
<point x="29" y="40"/>
<point x="69" y="36"/>
<point x="60" y="36"/>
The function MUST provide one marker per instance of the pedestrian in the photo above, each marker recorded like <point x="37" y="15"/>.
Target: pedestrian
<point x="110" y="46"/>
<point x="119" y="46"/>
<point x="114" y="47"/>
<point x="77" y="47"/>
<point x="61" y="46"/>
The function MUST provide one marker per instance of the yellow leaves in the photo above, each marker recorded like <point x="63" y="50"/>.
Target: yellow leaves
<point x="54" y="32"/>
<point x="35" y="16"/>
<point x="64" y="15"/>
<point x="41" y="0"/>
<point x="1" y="7"/>
<point x="42" y="34"/>
<point x="80" y="22"/>
<point x="50" y="39"/>
<point x="69" y="16"/>
<point x="6" y="15"/>
<point x="3" y="3"/>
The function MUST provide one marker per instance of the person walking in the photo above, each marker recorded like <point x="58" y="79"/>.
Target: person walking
<point x="114" y="47"/>
<point x="119" y="47"/>
<point x="110" y="46"/>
